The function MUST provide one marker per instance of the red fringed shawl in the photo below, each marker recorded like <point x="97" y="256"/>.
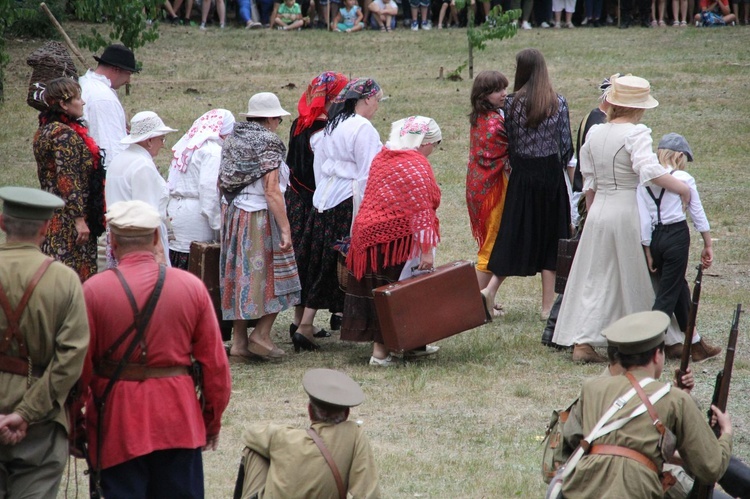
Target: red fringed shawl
<point x="398" y="212"/>
<point x="485" y="178"/>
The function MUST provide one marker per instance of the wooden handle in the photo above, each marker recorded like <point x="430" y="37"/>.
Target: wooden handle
<point x="72" y="46"/>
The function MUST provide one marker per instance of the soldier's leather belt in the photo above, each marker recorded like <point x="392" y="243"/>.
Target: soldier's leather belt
<point x="616" y="450"/>
<point x="138" y="372"/>
<point x="19" y="366"/>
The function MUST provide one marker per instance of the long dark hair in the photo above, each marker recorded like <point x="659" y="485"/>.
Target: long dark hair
<point x="486" y="83"/>
<point x="533" y="88"/>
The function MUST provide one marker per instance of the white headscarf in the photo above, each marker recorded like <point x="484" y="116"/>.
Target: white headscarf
<point x="412" y="132"/>
<point x="215" y="123"/>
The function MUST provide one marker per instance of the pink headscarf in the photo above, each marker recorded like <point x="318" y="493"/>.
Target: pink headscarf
<point x="212" y="125"/>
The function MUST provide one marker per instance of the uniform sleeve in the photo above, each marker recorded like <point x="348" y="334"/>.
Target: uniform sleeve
<point x="208" y="350"/>
<point x="258" y="438"/>
<point x="572" y="431"/>
<point x="46" y="397"/>
<point x="73" y="164"/>
<point x="208" y="191"/>
<point x="644" y="215"/>
<point x="700" y="222"/>
<point x="640" y="147"/>
<point x="363" y="475"/>
<point x="705" y="456"/>
<point x="566" y="139"/>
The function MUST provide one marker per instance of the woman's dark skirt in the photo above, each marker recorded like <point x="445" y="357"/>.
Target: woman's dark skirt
<point x="360" y="318"/>
<point x="535" y="217"/>
<point x="316" y="258"/>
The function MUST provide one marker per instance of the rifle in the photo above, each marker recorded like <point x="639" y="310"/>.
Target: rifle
<point x="690" y="331"/>
<point x="719" y="399"/>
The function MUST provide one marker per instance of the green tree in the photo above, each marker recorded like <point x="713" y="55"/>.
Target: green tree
<point x="497" y="26"/>
<point x="126" y="21"/>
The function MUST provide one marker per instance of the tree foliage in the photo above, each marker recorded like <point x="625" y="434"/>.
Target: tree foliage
<point x="126" y="21"/>
<point x="497" y="26"/>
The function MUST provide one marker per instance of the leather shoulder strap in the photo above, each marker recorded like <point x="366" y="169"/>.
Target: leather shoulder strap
<point x="329" y="459"/>
<point x="651" y="411"/>
<point x="14" y="316"/>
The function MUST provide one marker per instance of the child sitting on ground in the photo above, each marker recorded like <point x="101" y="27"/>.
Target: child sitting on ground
<point x="289" y="16"/>
<point x="714" y="13"/>
<point x="349" y="17"/>
<point x="666" y="238"/>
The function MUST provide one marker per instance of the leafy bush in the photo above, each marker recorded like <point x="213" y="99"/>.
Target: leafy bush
<point x="23" y="18"/>
<point x="126" y="20"/>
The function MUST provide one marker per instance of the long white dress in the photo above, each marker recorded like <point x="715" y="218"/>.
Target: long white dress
<point x="609" y="278"/>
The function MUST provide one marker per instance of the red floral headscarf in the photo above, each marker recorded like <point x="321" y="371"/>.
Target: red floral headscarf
<point x="320" y="91"/>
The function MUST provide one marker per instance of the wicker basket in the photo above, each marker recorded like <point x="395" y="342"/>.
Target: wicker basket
<point x="48" y="62"/>
<point x="342" y="272"/>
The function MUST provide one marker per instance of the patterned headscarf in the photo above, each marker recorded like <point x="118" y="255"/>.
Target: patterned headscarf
<point x="322" y="90"/>
<point x="356" y="90"/>
<point x="211" y="125"/>
<point x="412" y="132"/>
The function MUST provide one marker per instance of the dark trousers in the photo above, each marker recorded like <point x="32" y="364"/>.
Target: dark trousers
<point x="174" y="473"/>
<point x="627" y="8"/>
<point x="670" y="249"/>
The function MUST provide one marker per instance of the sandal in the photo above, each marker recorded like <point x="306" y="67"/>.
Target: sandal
<point x="388" y="29"/>
<point x="383" y="28"/>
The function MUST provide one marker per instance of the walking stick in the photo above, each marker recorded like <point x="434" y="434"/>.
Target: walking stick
<point x="72" y="46"/>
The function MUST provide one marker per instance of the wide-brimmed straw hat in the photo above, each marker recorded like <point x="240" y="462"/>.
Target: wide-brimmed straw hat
<point x="264" y="105"/>
<point x="631" y="91"/>
<point x="119" y="56"/>
<point x="146" y="125"/>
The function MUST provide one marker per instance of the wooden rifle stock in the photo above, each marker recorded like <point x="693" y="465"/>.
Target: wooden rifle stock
<point x="721" y="396"/>
<point x="690" y="330"/>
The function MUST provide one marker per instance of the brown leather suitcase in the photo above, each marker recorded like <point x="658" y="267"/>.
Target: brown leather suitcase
<point x="430" y="307"/>
<point x="204" y="263"/>
<point x="566" y="251"/>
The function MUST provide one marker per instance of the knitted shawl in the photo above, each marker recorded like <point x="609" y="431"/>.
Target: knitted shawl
<point x="398" y="212"/>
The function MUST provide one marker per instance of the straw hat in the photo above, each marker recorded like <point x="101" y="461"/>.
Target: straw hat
<point x="146" y="125"/>
<point x="631" y="91"/>
<point x="264" y="105"/>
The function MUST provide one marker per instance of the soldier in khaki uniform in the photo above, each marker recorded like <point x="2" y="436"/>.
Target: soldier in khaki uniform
<point x="41" y="360"/>
<point x="282" y="461"/>
<point x="639" y="339"/>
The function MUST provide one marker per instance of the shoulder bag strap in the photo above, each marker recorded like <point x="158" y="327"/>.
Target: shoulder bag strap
<point x="141" y="323"/>
<point x="651" y="411"/>
<point x="14" y="316"/>
<point x="329" y="459"/>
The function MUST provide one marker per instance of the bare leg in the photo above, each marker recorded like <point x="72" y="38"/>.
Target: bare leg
<point x="205" y="8"/>
<point x="424" y="14"/>
<point x="440" y="20"/>
<point x="222" y="11"/>
<point x="261" y="335"/>
<point x="379" y="351"/>
<point x="548" y="291"/>
<point x="239" y="338"/>
<point x="274" y="12"/>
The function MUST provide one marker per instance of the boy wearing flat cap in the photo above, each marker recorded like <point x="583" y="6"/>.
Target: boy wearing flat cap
<point x="638" y="449"/>
<point x="332" y="458"/>
<point x="152" y="427"/>
<point x="43" y="347"/>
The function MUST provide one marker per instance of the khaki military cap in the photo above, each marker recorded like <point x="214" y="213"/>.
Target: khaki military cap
<point x="637" y="333"/>
<point x="133" y="218"/>
<point x="29" y="204"/>
<point x="332" y="387"/>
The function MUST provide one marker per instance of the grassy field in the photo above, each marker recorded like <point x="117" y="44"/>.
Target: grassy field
<point x="467" y="423"/>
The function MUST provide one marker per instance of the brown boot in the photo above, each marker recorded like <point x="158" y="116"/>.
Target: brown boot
<point x="701" y="351"/>
<point x="583" y="352"/>
<point x="673" y="351"/>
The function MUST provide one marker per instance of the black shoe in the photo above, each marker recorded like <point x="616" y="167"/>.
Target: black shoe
<point x="336" y="321"/>
<point x="292" y="329"/>
<point x="625" y="25"/>
<point x="322" y="333"/>
<point x="302" y="343"/>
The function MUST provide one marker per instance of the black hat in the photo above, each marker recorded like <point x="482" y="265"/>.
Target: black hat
<point x="119" y="56"/>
